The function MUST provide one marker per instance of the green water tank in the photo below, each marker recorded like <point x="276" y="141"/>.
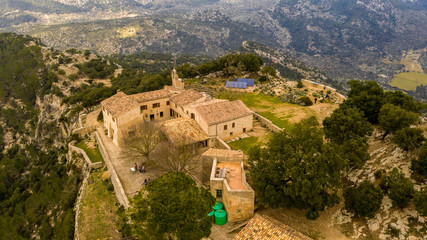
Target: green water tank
<point x="220" y="217"/>
<point x="211" y="214"/>
<point x="218" y="206"/>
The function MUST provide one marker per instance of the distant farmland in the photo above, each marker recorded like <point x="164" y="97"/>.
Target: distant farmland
<point x="409" y="80"/>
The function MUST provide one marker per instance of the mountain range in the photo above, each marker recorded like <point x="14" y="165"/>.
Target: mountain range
<point x="345" y="38"/>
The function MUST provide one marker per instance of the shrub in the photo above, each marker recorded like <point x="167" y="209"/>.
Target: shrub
<point x="409" y="138"/>
<point x="306" y="101"/>
<point x="420" y="201"/>
<point x="419" y="165"/>
<point x="87" y="53"/>
<point x="263" y="79"/>
<point x="100" y="117"/>
<point x="61" y="72"/>
<point x="363" y="200"/>
<point x="110" y="187"/>
<point x="72" y="77"/>
<point x="300" y="84"/>
<point x="399" y="189"/>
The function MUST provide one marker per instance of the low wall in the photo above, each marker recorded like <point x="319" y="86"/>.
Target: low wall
<point x="84" y="130"/>
<point x="219" y="143"/>
<point x="267" y="123"/>
<point x="118" y="187"/>
<point x="90" y="164"/>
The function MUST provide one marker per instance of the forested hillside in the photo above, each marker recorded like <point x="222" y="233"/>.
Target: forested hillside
<point x="38" y="186"/>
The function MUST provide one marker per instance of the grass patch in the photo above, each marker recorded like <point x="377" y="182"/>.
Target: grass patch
<point x="259" y="100"/>
<point x="244" y="144"/>
<point x="98" y="216"/>
<point x="93" y="153"/>
<point x="409" y="80"/>
<point x="280" y="122"/>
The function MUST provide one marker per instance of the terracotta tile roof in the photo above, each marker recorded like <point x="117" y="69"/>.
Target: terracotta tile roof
<point x="153" y="95"/>
<point x="223" y="111"/>
<point x="194" y="105"/>
<point x="186" y="97"/>
<point x="267" y="228"/>
<point x="119" y="103"/>
<point x="183" y="129"/>
<point x="173" y="89"/>
<point x="227" y="154"/>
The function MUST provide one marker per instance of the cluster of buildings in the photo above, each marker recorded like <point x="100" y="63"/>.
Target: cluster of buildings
<point x="196" y="118"/>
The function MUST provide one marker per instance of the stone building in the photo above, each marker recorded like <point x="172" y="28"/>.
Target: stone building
<point x="217" y="118"/>
<point x="228" y="184"/>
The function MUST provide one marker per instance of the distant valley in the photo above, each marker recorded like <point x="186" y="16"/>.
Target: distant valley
<point x="347" y="39"/>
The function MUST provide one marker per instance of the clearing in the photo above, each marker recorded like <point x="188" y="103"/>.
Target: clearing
<point x="284" y="114"/>
<point x="409" y="80"/>
<point x="98" y="218"/>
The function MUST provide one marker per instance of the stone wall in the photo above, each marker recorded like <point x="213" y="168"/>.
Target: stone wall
<point x="267" y="123"/>
<point x="118" y="187"/>
<point x="219" y="143"/>
<point x="84" y="130"/>
<point x="90" y="164"/>
<point x="239" y="204"/>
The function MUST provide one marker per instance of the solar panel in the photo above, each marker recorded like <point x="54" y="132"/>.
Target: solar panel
<point x="250" y="82"/>
<point x="231" y="84"/>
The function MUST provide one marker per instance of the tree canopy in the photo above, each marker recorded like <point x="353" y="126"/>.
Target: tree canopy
<point x="364" y="200"/>
<point x="345" y="124"/>
<point x="409" y="138"/>
<point x="172" y="207"/>
<point x="399" y="189"/>
<point x="393" y="118"/>
<point x="297" y="169"/>
<point x="368" y="97"/>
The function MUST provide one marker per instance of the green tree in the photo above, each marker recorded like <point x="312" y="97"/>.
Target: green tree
<point x="355" y="151"/>
<point x="419" y="165"/>
<point x="399" y="189"/>
<point x="364" y="200"/>
<point x="172" y="207"/>
<point x="345" y="124"/>
<point x="420" y="201"/>
<point x="400" y="99"/>
<point x="366" y="96"/>
<point x="409" y="138"/>
<point x="302" y="170"/>
<point x="393" y="118"/>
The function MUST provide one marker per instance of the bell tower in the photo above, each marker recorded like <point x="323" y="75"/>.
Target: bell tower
<point x="176" y="81"/>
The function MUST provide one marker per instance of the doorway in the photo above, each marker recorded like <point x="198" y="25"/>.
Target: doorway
<point x="151" y="117"/>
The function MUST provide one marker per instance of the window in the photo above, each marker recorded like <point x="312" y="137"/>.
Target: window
<point x="156" y="105"/>
<point x="233" y="125"/>
<point x="193" y="116"/>
<point x="231" y="133"/>
<point x="168" y="103"/>
<point x="244" y="130"/>
<point x="225" y="127"/>
<point x="143" y="107"/>
<point x="161" y="114"/>
<point x="218" y="193"/>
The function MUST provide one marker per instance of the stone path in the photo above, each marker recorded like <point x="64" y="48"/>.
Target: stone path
<point x="132" y="181"/>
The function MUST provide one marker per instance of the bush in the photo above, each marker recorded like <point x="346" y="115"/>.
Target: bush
<point x="100" y="117"/>
<point x="419" y="165"/>
<point x="72" y="77"/>
<point x="61" y="72"/>
<point x="364" y="200"/>
<point x="420" y="201"/>
<point x="409" y="138"/>
<point x="399" y="189"/>
<point x="110" y="187"/>
<point x="306" y="101"/>
<point x="263" y="79"/>
<point x="300" y="84"/>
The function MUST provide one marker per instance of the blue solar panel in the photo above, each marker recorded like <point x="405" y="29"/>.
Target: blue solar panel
<point x="231" y="84"/>
<point x="250" y="82"/>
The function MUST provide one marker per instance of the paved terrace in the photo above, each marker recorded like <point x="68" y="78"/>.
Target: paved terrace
<point x="132" y="181"/>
